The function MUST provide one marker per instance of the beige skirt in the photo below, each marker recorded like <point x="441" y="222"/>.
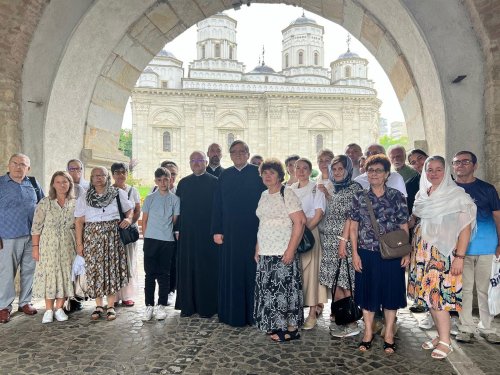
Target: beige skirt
<point x="314" y="292"/>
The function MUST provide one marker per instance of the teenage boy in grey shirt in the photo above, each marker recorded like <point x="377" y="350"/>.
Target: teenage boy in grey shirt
<point x="159" y="214"/>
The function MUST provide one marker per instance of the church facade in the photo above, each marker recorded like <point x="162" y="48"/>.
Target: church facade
<point x="301" y="109"/>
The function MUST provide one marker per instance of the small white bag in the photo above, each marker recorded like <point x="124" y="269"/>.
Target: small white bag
<point x="494" y="288"/>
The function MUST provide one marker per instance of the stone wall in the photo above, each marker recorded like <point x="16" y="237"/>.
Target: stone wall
<point x="19" y="21"/>
<point x="485" y="17"/>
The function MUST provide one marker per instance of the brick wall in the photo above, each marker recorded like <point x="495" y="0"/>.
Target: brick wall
<point x="19" y="21"/>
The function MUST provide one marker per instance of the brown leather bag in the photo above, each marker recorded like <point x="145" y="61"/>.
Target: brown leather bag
<point x="395" y="244"/>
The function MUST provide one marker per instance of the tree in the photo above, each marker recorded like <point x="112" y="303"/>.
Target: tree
<point x="388" y="141"/>
<point x="125" y="144"/>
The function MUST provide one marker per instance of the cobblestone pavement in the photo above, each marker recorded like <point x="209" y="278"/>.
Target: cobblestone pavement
<point x="204" y="346"/>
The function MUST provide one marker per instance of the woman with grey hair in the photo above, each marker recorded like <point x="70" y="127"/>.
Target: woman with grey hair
<point x="98" y="239"/>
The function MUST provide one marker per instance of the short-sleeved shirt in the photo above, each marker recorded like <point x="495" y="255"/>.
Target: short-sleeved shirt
<point x="310" y="197"/>
<point x="133" y="195"/>
<point x="486" y="198"/>
<point x="394" y="181"/>
<point x="390" y="212"/>
<point x="108" y="213"/>
<point x="161" y="210"/>
<point x="17" y="207"/>
<point x="275" y="226"/>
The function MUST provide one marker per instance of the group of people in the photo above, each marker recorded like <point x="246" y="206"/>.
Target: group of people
<point x="226" y="240"/>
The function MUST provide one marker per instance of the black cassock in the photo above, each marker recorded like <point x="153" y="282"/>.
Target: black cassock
<point x="235" y="202"/>
<point x="197" y="254"/>
<point x="215" y="172"/>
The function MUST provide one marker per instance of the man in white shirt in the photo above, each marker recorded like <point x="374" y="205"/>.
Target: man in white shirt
<point x="395" y="180"/>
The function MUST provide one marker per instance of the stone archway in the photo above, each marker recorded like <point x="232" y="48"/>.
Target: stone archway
<point x="114" y="40"/>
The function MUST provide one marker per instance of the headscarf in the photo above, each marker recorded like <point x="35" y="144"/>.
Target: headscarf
<point x="444" y="213"/>
<point x="346" y="180"/>
<point x="100" y="201"/>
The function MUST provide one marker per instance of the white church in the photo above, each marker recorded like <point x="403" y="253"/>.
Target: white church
<point x="300" y="109"/>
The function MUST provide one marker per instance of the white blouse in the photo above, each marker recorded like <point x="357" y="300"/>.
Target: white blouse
<point x="311" y="198"/>
<point x="107" y="213"/>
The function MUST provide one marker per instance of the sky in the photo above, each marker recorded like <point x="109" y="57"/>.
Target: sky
<point x="261" y="24"/>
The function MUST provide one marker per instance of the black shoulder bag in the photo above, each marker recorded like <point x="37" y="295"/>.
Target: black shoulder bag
<point x="129" y="234"/>
<point x="307" y="241"/>
<point x="345" y="310"/>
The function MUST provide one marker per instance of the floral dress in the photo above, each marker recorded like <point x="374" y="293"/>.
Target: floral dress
<point x="56" y="227"/>
<point x="431" y="283"/>
<point x="337" y="211"/>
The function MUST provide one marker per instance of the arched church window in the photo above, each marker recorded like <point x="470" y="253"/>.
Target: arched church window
<point x="217" y="50"/>
<point x="203" y="51"/>
<point x="319" y="143"/>
<point x="316" y="58"/>
<point x="348" y="72"/>
<point x="230" y="140"/>
<point x="286" y="60"/>
<point x="230" y="53"/>
<point x="167" y="142"/>
<point x="301" y="57"/>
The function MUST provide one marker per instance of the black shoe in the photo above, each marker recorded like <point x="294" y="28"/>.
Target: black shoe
<point x="417" y="309"/>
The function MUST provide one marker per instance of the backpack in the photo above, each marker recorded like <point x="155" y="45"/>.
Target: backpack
<point x="37" y="188"/>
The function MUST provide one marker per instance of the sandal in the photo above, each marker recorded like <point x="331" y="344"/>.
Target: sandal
<point x="97" y="314"/>
<point x="110" y="314"/>
<point x="365" y="345"/>
<point x="429" y="345"/>
<point x="272" y="332"/>
<point x="287" y="335"/>
<point x="389" y="348"/>
<point x="439" y="354"/>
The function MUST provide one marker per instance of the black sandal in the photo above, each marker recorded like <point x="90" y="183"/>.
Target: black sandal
<point x="110" y="314"/>
<point x="97" y="314"/>
<point x="388" y="346"/>
<point x="287" y="335"/>
<point x="366" y="345"/>
<point x="273" y="332"/>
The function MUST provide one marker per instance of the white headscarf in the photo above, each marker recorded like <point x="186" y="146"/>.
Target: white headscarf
<point x="444" y="213"/>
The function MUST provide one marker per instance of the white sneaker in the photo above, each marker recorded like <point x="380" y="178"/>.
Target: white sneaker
<point x="48" y="317"/>
<point x="351" y="330"/>
<point x="161" y="312"/>
<point x="61" y="315"/>
<point x="427" y="322"/>
<point x="148" y="314"/>
<point x="336" y="330"/>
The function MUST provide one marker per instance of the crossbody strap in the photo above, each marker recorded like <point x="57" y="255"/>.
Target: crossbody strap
<point x="372" y="215"/>
<point x="122" y="216"/>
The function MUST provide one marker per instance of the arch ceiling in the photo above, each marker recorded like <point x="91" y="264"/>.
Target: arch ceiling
<point x="113" y="41"/>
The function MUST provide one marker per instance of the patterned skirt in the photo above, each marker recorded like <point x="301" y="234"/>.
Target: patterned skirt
<point x="430" y="282"/>
<point x="105" y="258"/>
<point x="278" y="294"/>
<point x="330" y="262"/>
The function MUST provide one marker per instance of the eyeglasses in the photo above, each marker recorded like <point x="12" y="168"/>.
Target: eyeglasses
<point x="19" y="165"/>
<point x="456" y="163"/>
<point x="121" y="171"/>
<point x="197" y="160"/>
<point x="238" y="152"/>
<point x="71" y="169"/>
<point x="375" y="171"/>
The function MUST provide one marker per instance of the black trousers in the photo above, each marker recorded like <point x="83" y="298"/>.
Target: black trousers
<point x="157" y="262"/>
<point x="173" y="270"/>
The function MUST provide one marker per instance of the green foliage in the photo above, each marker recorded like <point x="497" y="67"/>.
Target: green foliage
<point x="125" y="144"/>
<point x="144" y="191"/>
<point x="388" y="141"/>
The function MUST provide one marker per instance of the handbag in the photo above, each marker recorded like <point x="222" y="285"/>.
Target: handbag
<point x="307" y="242"/>
<point x="395" y="244"/>
<point x="346" y="310"/>
<point x="129" y="234"/>
<point x="494" y="288"/>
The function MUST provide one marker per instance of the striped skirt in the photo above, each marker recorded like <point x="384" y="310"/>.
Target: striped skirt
<point x="105" y="258"/>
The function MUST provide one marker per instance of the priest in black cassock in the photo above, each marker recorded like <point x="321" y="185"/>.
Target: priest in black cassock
<point x="197" y="254"/>
<point x="214" y="154"/>
<point x="234" y="225"/>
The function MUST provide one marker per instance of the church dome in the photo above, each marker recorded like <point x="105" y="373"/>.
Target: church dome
<point x="263" y="69"/>
<point x="348" y="55"/>
<point x="165" y="53"/>
<point x="302" y="20"/>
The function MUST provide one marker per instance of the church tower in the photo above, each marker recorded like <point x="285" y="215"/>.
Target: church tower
<point x="350" y="70"/>
<point x="303" y="52"/>
<point x="217" y="50"/>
